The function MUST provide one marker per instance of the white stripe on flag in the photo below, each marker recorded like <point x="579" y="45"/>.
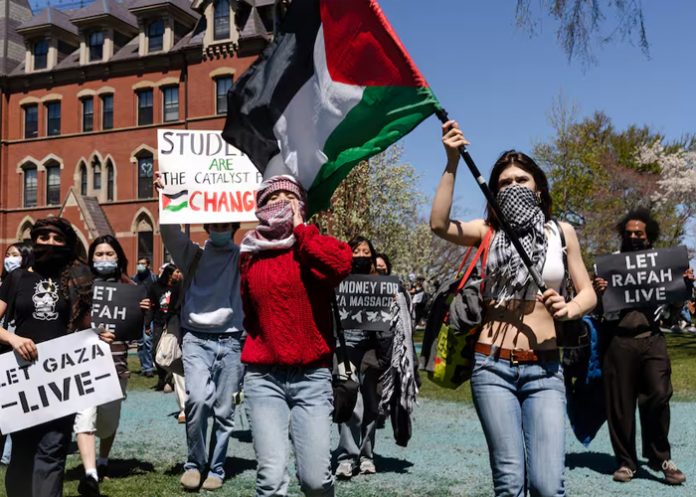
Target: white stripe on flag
<point x="309" y="119"/>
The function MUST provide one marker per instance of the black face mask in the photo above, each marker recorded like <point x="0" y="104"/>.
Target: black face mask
<point x="362" y="265"/>
<point x="634" y="244"/>
<point x="51" y="258"/>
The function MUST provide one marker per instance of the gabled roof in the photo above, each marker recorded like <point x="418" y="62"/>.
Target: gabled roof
<point x="100" y="8"/>
<point x="49" y="17"/>
<point x="253" y="27"/>
<point x="91" y="212"/>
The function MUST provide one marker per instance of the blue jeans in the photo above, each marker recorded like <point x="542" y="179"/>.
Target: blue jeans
<point x="145" y="352"/>
<point x="522" y="412"/>
<point x="299" y="401"/>
<point x="212" y="370"/>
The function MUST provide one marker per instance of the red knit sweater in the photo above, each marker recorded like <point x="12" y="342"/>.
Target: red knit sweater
<point x="287" y="298"/>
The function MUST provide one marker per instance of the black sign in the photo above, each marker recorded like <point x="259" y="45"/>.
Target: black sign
<point x="364" y="301"/>
<point x="116" y="307"/>
<point x="646" y="278"/>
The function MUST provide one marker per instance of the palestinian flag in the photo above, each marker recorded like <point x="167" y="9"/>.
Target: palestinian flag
<point x="175" y="201"/>
<point x="335" y="87"/>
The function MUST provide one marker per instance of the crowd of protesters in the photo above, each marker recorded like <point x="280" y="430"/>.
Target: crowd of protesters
<point x="257" y="317"/>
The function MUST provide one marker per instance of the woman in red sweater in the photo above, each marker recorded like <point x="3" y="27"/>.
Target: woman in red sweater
<point x="289" y="272"/>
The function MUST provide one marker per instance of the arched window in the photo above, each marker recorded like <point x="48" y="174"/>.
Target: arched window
<point x="144" y="228"/>
<point x="83" y="179"/>
<point x="96" y="174"/>
<point x="221" y="20"/>
<point x="109" y="181"/>
<point x="52" y="183"/>
<point x="31" y="184"/>
<point x="145" y="170"/>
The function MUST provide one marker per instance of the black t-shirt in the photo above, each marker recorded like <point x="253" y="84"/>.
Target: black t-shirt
<point x="41" y="313"/>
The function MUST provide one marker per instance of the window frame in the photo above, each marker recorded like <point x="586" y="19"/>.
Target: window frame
<point x="91" y="47"/>
<point x="160" y="36"/>
<point x="33" y="168"/>
<point x="84" y="179"/>
<point x="96" y="175"/>
<point x="140" y="94"/>
<point x="220" y="32"/>
<point x="223" y="97"/>
<point x="35" y="108"/>
<point x="110" y="111"/>
<point x="167" y="107"/>
<point x="53" y="104"/>
<point x="145" y="181"/>
<point x="43" y="57"/>
<point x="52" y="189"/>
<point x="85" y="115"/>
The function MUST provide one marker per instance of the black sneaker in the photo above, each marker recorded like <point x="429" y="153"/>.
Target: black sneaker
<point x="88" y="487"/>
<point x="102" y="471"/>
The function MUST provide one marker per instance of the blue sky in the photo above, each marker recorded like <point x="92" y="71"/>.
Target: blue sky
<point x="500" y="83"/>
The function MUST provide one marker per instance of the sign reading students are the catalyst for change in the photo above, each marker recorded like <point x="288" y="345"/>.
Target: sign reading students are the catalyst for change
<point x="116" y="308"/>
<point x="205" y="179"/>
<point x="364" y="301"/>
<point x="71" y="373"/>
<point x="646" y="278"/>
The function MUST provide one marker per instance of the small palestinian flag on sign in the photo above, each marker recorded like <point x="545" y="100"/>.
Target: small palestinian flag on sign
<point x="175" y="202"/>
<point x="335" y="87"/>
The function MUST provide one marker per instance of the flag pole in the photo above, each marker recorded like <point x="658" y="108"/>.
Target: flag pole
<point x="493" y="203"/>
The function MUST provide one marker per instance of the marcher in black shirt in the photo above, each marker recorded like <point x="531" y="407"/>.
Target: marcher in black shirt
<point x="48" y="302"/>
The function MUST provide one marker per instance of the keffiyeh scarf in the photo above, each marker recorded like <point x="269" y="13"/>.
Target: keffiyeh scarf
<point x="507" y="274"/>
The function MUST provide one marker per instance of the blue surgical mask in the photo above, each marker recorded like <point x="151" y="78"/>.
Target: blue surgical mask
<point x="105" y="267"/>
<point x="12" y="262"/>
<point x="220" y="238"/>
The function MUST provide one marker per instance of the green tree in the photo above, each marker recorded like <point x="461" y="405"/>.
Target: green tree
<point x="380" y="200"/>
<point x="598" y="173"/>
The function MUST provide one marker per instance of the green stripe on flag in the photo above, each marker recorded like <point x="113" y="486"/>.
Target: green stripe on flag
<point x="383" y="116"/>
<point x="176" y="208"/>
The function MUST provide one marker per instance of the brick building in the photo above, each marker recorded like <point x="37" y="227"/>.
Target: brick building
<point x="83" y="92"/>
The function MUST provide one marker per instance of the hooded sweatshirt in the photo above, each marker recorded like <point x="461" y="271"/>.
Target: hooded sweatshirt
<point x="212" y="303"/>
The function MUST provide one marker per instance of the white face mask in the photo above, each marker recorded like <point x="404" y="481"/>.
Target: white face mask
<point x="12" y="262"/>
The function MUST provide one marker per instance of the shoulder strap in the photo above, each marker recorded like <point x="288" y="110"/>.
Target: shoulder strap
<point x="482" y="251"/>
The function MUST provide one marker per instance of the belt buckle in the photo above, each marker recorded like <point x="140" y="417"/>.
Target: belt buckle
<point x="513" y="360"/>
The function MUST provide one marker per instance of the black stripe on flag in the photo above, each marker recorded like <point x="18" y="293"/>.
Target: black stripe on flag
<point x="261" y="95"/>
<point x="176" y="195"/>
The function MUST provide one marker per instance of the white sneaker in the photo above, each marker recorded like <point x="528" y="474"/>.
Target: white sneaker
<point x="367" y="467"/>
<point x="345" y="470"/>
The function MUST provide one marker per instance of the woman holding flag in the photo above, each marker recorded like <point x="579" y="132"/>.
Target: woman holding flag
<point x="517" y="380"/>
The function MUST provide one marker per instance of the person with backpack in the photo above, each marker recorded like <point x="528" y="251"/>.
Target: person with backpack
<point x="50" y="301"/>
<point x="517" y="380"/>
<point x="211" y="322"/>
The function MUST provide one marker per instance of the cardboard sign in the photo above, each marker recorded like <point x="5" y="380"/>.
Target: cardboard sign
<point x="72" y="373"/>
<point x="116" y="307"/>
<point x="646" y="278"/>
<point x="206" y="180"/>
<point x="364" y="301"/>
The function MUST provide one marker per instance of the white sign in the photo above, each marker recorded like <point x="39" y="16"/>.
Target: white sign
<point x="206" y="180"/>
<point x="71" y="373"/>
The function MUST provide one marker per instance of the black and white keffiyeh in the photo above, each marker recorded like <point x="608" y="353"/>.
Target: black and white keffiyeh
<point x="507" y="275"/>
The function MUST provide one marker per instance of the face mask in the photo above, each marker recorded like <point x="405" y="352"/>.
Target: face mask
<point x="362" y="265"/>
<point x="518" y="205"/>
<point x="634" y="244"/>
<point x="105" y="267"/>
<point x="12" y="262"/>
<point x="141" y="268"/>
<point x="51" y="258"/>
<point x="220" y="238"/>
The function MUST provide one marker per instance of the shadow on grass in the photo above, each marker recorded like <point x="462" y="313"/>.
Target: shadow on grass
<point x="243" y="436"/>
<point x="233" y="466"/>
<point x="382" y="463"/>
<point x="604" y="464"/>
<point x="118" y="468"/>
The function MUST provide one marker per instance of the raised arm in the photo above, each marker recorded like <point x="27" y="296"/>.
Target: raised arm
<point x="465" y="233"/>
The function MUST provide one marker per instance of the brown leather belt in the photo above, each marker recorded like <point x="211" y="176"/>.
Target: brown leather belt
<point x="518" y="356"/>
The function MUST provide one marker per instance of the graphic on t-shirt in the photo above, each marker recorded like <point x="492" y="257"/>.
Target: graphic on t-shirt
<point x="164" y="301"/>
<point x="45" y="299"/>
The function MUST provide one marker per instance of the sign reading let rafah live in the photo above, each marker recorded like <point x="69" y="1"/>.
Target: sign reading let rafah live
<point x="205" y="179"/>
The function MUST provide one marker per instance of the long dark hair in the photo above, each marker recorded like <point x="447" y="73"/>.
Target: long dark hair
<point x="357" y="240"/>
<point x="386" y="260"/>
<point x="527" y="164"/>
<point x="166" y="274"/>
<point x="26" y="251"/>
<point x="114" y="244"/>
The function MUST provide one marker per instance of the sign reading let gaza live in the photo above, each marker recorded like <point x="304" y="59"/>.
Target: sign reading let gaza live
<point x="205" y="179"/>
<point x="364" y="301"/>
<point x="643" y="279"/>
<point x="72" y="373"/>
<point x="116" y="307"/>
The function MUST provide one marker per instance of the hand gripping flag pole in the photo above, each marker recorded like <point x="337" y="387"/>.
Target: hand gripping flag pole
<point x="493" y="203"/>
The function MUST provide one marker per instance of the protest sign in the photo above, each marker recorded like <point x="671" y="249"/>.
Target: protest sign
<point x="364" y="301"/>
<point x="72" y="373"/>
<point x="205" y="179"/>
<point x="645" y="278"/>
<point x="116" y="307"/>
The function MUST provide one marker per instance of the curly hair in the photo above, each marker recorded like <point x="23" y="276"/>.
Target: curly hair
<point x="643" y="214"/>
